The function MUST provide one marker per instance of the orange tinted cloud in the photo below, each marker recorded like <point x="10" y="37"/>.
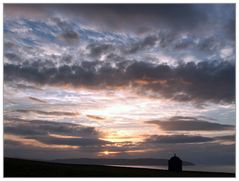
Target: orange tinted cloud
<point x="146" y="82"/>
<point x="35" y="143"/>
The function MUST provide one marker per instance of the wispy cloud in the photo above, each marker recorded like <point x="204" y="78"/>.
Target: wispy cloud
<point x="37" y="100"/>
<point x="53" y="113"/>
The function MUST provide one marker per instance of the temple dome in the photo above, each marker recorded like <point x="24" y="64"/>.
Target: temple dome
<point x="175" y="164"/>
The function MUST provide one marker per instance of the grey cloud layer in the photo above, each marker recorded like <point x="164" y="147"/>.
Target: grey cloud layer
<point x="41" y="131"/>
<point x="190" y="124"/>
<point x="37" y="127"/>
<point x="169" y="139"/>
<point x="187" y="82"/>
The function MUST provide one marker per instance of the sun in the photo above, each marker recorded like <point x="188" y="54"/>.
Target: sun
<point x="106" y="152"/>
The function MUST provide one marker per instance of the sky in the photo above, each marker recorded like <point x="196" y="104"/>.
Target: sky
<point x="120" y="81"/>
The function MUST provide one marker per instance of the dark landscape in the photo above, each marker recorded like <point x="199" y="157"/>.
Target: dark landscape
<point x="29" y="168"/>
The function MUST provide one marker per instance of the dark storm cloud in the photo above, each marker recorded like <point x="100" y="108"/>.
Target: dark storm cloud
<point x="12" y="56"/>
<point x="205" y="81"/>
<point x="190" y="124"/>
<point x="70" y="36"/>
<point x="171" y="42"/>
<point x="96" y="50"/>
<point x="230" y="27"/>
<point x="173" y="139"/>
<point x="67" y="59"/>
<point x="119" y="17"/>
<point x="116" y="15"/>
<point x="182" y="17"/>
<point x="147" y="42"/>
<point x="210" y="44"/>
<point x="9" y="45"/>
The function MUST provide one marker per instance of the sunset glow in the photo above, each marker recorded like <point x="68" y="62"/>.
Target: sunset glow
<point x="120" y="81"/>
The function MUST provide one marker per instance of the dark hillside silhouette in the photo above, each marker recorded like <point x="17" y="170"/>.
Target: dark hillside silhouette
<point x="29" y="168"/>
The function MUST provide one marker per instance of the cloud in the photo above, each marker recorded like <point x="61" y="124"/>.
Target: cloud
<point x="205" y="81"/>
<point x="95" y="117"/>
<point x="119" y="17"/>
<point x="13" y="57"/>
<point x="54" y="133"/>
<point x="174" y="139"/>
<point x="37" y="128"/>
<point x="68" y="34"/>
<point x="226" y="138"/>
<point x="49" y="113"/>
<point x="96" y="50"/>
<point x="190" y="124"/>
<point x="69" y="141"/>
<point x="70" y="37"/>
<point x="147" y="43"/>
<point x="67" y="134"/>
<point x="36" y="99"/>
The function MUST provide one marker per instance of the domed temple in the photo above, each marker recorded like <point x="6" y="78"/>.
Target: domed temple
<point x="175" y="164"/>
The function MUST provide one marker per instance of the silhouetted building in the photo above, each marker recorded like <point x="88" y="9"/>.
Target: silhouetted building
<point x="175" y="164"/>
